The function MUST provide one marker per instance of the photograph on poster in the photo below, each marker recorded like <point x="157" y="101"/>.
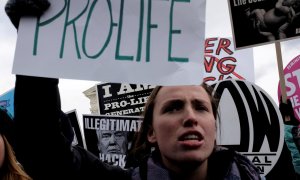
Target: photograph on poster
<point x="258" y="22"/>
<point x="110" y="137"/>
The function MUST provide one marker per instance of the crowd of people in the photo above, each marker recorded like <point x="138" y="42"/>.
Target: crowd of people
<point x="177" y="139"/>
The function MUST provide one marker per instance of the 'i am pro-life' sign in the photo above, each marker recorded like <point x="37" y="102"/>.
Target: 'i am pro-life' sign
<point x="155" y="42"/>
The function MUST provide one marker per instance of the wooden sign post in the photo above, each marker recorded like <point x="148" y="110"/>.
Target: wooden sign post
<point x="281" y="76"/>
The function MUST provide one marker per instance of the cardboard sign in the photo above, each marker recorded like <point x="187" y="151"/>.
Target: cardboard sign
<point x="158" y="42"/>
<point x="123" y="99"/>
<point x="258" y="22"/>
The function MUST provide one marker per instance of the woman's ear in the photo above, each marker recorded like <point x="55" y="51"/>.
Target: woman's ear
<point x="151" y="136"/>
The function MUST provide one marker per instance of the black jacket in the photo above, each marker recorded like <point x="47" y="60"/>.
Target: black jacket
<point x="41" y="147"/>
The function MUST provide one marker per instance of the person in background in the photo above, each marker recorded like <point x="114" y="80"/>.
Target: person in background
<point x="10" y="168"/>
<point x="291" y="133"/>
<point x="177" y="139"/>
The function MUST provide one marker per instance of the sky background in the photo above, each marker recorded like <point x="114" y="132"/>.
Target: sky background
<point x="218" y="25"/>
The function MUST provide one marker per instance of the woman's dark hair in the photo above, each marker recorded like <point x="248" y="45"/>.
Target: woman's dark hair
<point x="11" y="168"/>
<point x="141" y="147"/>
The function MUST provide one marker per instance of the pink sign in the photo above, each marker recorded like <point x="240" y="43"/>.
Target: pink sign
<point x="292" y="83"/>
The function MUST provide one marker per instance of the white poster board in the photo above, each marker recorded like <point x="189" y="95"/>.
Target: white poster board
<point x="158" y="42"/>
<point x="222" y="61"/>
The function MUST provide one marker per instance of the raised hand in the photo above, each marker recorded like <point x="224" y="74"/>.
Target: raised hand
<point x="15" y="9"/>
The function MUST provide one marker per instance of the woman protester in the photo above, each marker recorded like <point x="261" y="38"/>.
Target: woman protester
<point x="10" y="168"/>
<point x="176" y="140"/>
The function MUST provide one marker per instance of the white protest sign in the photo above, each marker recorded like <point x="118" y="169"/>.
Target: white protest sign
<point x="250" y="122"/>
<point x="155" y="42"/>
<point x="222" y="61"/>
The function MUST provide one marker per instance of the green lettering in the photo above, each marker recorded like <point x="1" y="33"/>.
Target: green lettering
<point x="149" y="26"/>
<point x="39" y="24"/>
<point x="118" y="56"/>
<point x="174" y="31"/>
<point x="71" y="22"/>
<point x="139" y="47"/>
<point x="112" y="24"/>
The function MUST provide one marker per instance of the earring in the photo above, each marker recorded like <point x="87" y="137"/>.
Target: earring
<point x="152" y="149"/>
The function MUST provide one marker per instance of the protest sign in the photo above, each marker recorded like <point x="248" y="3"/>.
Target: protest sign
<point x="222" y="61"/>
<point x="292" y="79"/>
<point x="254" y="125"/>
<point x="110" y="137"/>
<point x="122" y="98"/>
<point x="159" y="42"/>
<point x="258" y="22"/>
<point x="78" y="140"/>
<point x="7" y="101"/>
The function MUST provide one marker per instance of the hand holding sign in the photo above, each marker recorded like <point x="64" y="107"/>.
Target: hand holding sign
<point x="17" y="8"/>
<point x="160" y="42"/>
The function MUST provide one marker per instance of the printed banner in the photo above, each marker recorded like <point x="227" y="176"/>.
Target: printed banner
<point x="110" y="137"/>
<point x="123" y="99"/>
<point x="222" y="61"/>
<point x="7" y="101"/>
<point x="292" y="79"/>
<point x="257" y="22"/>
<point x="158" y="42"/>
<point x="254" y="125"/>
<point x="78" y="140"/>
